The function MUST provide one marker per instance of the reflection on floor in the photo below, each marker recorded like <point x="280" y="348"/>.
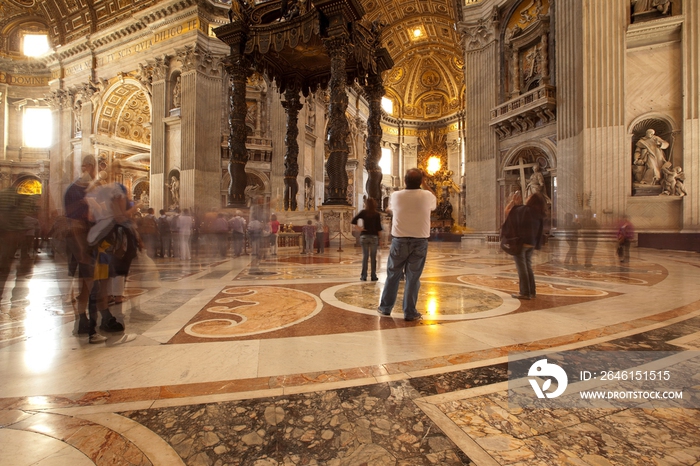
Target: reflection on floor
<point x="285" y="362"/>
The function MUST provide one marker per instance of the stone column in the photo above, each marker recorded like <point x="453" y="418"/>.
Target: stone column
<point x="338" y="128"/>
<point x="691" y="114"/>
<point x="239" y="70"/>
<point x="374" y="91"/>
<point x="64" y="167"/>
<point x="291" y="105"/>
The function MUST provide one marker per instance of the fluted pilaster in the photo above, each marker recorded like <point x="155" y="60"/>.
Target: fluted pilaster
<point x="158" y="196"/>
<point x="570" y="105"/>
<point x="607" y="169"/>
<point x="691" y="114"/>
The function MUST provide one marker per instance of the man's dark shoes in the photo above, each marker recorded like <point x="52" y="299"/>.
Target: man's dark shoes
<point x="382" y="313"/>
<point x="413" y="318"/>
<point x="519" y="296"/>
<point x="374" y="279"/>
<point x="112" y="325"/>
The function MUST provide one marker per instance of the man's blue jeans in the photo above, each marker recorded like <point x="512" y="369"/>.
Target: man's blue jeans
<point x="406" y="255"/>
<point x="523" y="263"/>
<point x="369" y="251"/>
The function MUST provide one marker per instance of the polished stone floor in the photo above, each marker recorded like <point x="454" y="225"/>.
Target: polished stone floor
<point x="285" y="362"/>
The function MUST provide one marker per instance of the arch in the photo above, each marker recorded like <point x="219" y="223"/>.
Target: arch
<point x="28" y="185"/>
<point x="547" y="147"/>
<point x="124" y="112"/>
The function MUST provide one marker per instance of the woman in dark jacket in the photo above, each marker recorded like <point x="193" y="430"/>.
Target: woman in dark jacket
<point x="529" y="223"/>
<point x="369" y="236"/>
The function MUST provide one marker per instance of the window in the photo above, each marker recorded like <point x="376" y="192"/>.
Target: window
<point x="385" y="161"/>
<point x="35" y="45"/>
<point x="37" y="127"/>
<point x="388" y="105"/>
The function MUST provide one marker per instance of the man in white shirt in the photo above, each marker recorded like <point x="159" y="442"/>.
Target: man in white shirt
<point x="410" y="230"/>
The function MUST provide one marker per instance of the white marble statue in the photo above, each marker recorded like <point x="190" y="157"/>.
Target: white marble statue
<point x="649" y="154"/>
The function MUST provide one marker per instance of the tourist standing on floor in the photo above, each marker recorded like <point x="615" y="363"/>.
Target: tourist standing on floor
<point x="410" y="231"/>
<point x="369" y="236"/>
<point x="238" y="229"/>
<point x="184" y="226"/>
<point x="574" y="226"/>
<point x="309" y="232"/>
<point x="320" y="235"/>
<point x="529" y="226"/>
<point x="80" y="254"/>
<point x="274" y="232"/>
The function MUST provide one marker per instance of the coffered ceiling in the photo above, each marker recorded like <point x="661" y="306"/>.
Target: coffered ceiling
<point x="426" y="82"/>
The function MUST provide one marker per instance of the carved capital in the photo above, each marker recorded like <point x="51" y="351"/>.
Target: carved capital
<point x="160" y="67"/>
<point x="58" y="99"/>
<point x="477" y="35"/>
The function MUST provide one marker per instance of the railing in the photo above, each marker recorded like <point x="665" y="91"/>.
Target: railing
<point x="541" y="95"/>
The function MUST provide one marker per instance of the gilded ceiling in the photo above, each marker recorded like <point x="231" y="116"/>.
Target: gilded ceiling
<point x="425" y="83"/>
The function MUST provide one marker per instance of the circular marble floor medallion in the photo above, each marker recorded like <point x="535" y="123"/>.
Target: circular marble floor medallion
<point x="436" y="300"/>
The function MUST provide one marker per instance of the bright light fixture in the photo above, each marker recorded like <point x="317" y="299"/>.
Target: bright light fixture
<point x="417" y="32"/>
<point x="433" y="165"/>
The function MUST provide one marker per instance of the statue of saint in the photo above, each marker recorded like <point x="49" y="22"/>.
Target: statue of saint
<point x="177" y="93"/>
<point x="650" y="154"/>
<point x="536" y="182"/>
<point x="174" y="186"/>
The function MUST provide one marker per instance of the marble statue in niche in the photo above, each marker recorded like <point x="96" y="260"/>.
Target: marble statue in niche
<point x="177" y="93"/>
<point x="174" y="187"/>
<point x="535" y="183"/>
<point x="649" y="158"/>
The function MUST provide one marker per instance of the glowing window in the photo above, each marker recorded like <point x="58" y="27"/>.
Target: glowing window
<point x="385" y="161"/>
<point x="35" y="45"/>
<point x="29" y="186"/>
<point x="388" y="105"/>
<point x="37" y="127"/>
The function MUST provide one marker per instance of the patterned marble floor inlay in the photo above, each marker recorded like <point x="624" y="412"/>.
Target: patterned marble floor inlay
<point x="249" y="310"/>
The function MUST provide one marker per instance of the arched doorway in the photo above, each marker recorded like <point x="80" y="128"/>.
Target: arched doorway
<point x="522" y="168"/>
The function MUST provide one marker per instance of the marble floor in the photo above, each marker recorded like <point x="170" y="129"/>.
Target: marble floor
<point x="284" y="361"/>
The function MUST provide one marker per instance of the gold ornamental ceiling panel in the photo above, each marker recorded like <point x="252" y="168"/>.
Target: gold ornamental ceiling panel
<point x="126" y="114"/>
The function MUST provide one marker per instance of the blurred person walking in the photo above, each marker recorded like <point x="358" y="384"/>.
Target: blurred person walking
<point x="410" y="231"/>
<point x="369" y="237"/>
<point x="166" y="243"/>
<point x="320" y="235"/>
<point x="220" y="229"/>
<point x="625" y="235"/>
<point x="309" y="233"/>
<point x="80" y="253"/>
<point x="274" y="232"/>
<point x="238" y="229"/>
<point x="184" y="226"/>
<point x="14" y="208"/>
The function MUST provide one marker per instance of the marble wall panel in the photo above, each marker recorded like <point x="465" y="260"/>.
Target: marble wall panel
<point x="655" y="213"/>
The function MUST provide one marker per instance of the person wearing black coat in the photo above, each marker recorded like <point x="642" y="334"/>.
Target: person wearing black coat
<point x="529" y="224"/>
